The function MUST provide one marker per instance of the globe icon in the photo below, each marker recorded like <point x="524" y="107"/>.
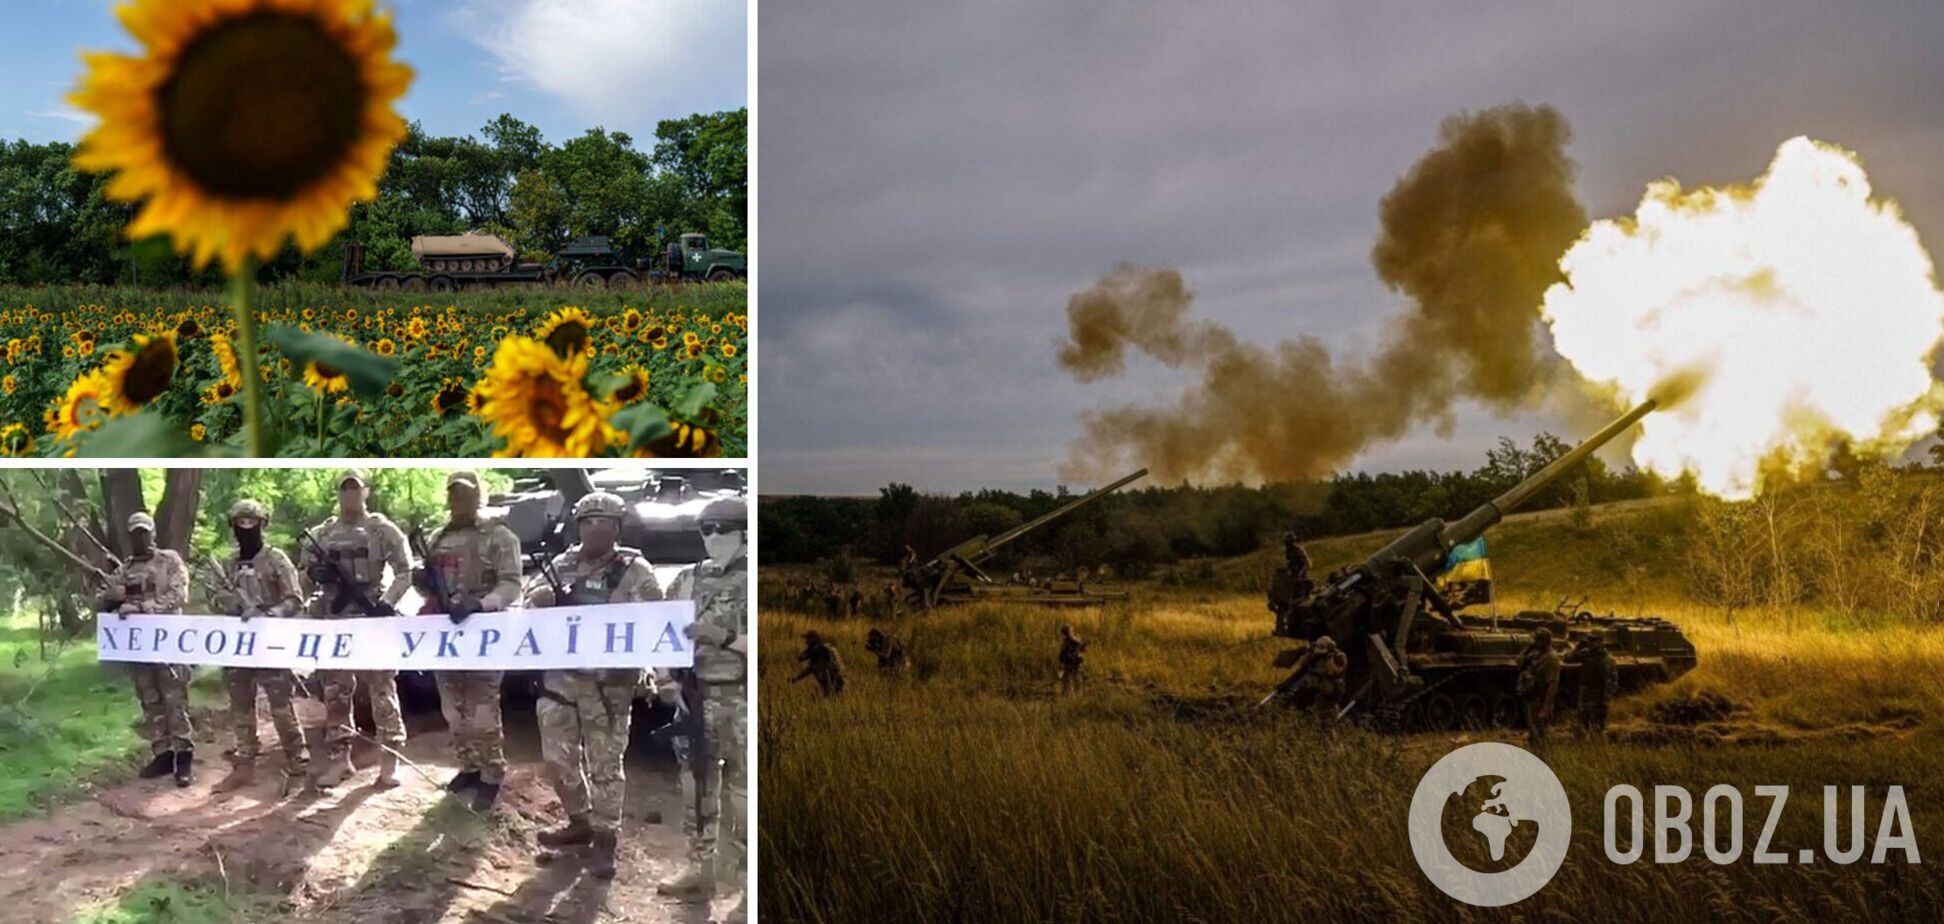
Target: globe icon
<point x="1490" y="824"/>
<point x="1495" y="822"/>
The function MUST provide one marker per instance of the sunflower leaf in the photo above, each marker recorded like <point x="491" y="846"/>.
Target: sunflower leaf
<point x="691" y="404"/>
<point x="368" y="372"/>
<point x="644" y="423"/>
<point x="143" y="434"/>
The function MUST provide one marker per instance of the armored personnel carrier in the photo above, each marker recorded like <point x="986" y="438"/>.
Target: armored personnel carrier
<point x="472" y="252"/>
<point x="1418" y="661"/>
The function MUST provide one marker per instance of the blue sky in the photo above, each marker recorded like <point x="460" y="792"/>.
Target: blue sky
<point x="563" y="65"/>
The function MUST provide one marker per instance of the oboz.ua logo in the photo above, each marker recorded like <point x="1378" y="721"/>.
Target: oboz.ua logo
<point x="1490" y="824"/>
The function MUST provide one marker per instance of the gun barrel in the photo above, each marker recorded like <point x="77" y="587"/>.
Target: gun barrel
<point x="1475" y="523"/>
<point x="1062" y="510"/>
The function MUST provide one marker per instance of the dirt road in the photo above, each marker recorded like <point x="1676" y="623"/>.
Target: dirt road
<point x="409" y="855"/>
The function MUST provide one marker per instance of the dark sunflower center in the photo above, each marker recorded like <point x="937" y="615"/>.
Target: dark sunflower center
<point x="548" y="409"/>
<point x="328" y="371"/>
<point x="630" y="391"/>
<point x="567" y="338"/>
<point x="450" y="399"/>
<point x="261" y="107"/>
<point x="149" y="376"/>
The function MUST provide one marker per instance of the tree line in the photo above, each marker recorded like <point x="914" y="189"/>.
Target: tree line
<point x="1137" y="529"/>
<point x="56" y="226"/>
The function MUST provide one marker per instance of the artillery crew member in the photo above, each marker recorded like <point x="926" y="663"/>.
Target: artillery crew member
<point x="344" y="563"/>
<point x="476" y="563"/>
<point x="1599" y="681"/>
<point x="259" y="581"/>
<point x="891" y="658"/>
<point x="1326" y="665"/>
<point x="1291" y="583"/>
<point x="1538" y="684"/>
<point x="716" y="784"/>
<point x="820" y="661"/>
<point x="154" y="580"/>
<point x="585" y="714"/>
<point x="1073" y="658"/>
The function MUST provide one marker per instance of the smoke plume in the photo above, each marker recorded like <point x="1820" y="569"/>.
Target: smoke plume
<point x="1472" y="236"/>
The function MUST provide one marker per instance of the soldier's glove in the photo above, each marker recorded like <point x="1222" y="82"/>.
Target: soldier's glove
<point x="492" y="602"/>
<point x="251" y="612"/>
<point x="381" y="608"/>
<point x="707" y="633"/>
<point x="462" y="607"/>
<point x="126" y="609"/>
<point x="323" y="572"/>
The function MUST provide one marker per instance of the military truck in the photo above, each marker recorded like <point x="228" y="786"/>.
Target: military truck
<point x="476" y="259"/>
<point x="1417" y="661"/>
<point x="955" y="576"/>
<point x="691" y="258"/>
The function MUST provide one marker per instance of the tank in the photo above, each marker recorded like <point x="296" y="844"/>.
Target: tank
<point x="662" y="519"/>
<point x="1420" y="661"/>
<point x="472" y="252"/>
<point x="955" y="576"/>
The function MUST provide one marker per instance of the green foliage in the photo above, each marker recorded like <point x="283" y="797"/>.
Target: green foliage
<point x="56" y="227"/>
<point x="75" y="723"/>
<point x="160" y="899"/>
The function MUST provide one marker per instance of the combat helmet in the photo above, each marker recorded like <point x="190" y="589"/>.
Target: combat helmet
<point x="731" y="511"/>
<point x="249" y="508"/>
<point x="600" y="504"/>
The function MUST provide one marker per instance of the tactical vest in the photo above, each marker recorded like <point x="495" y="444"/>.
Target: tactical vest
<point x="598" y="587"/>
<point x="142" y="578"/>
<point x="354" y="546"/>
<point x="464" y="558"/>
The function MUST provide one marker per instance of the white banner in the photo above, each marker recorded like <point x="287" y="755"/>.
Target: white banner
<point x="608" y="635"/>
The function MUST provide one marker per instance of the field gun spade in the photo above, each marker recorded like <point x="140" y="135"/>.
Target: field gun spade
<point x="1418" y="661"/>
<point x="957" y="575"/>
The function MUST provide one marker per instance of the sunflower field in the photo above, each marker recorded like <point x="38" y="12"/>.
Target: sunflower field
<point x="368" y="375"/>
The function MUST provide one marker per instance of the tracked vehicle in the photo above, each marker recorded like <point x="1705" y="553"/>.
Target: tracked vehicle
<point x="955" y="576"/>
<point x="1418" y="661"/>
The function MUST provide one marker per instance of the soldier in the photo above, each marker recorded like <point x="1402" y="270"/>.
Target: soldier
<point x="1599" y="680"/>
<point x="890" y="652"/>
<point x="856" y="602"/>
<point x="259" y="581"/>
<point x="821" y="662"/>
<point x="1072" y="658"/>
<point x="1538" y="685"/>
<point x="154" y="580"/>
<point x="584" y="714"/>
<point x="1291" y="583"/>
<point x="715" y="784"/>
<point x="891" y="600"/>
<point x="344" y="563"/>
<point x="1326" y="666"/>
<point x="478" y="562"/>
<point x="833" y="602"/>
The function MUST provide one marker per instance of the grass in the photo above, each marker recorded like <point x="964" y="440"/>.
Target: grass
<point x="158" y="899"/>
<point x="710" y="298"/>
<point x="77" y="722"/>
<point x="967" y="791"/>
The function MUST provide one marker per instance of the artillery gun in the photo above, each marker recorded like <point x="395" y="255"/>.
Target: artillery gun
<point x="955" y="575"/>
<point x="1417" y="662"/>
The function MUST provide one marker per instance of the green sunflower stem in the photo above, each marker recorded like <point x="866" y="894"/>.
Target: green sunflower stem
<point x="320" y="423"/>
<point x="242" y="290"/>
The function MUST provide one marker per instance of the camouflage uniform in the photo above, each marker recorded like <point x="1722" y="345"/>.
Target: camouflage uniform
<point x="158" y="583"/>
<point x="891" y="658"/>
<point x="265" y="584"/>
<point x="1599" y="681"/>
<point x="584" y="715"/>
<point x="721" y="594"/>
<point x="363" y="548"/>
<point x="476" y="560"/>
<point x="1327" y="665"/>
<point x="1072" y="659"/>
<point x="1538" y="683"/>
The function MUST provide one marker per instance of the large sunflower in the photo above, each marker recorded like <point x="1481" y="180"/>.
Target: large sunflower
<point x="244" y="121"/>
<point x="226" y="360"/>
<point x="535" y="401"/>
<point x="635" y="388"/>
<point x="84" y="407"/>
<point x="565" y="331"/>
<point x="136" y="378"/>
<point x="325" y="378"/>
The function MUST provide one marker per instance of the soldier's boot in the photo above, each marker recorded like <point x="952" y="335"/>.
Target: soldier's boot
<point x="242" y="773"/>
<point x="462" y="781"/>
<point x="484" y="795"/>
<point x="388" y="771"/>
<point x="602" y="865"/>
<point x="185" y="768"/>
<point x="335" y="770"/>
<point x="296" y="766"/>
<point x="574" y="832"/>
<point x="161" y="764"/>
<point x="740" y="913"/>
<point x="697" y="883"/>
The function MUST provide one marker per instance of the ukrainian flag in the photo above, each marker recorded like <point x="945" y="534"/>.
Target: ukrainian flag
<point x="1467" y="575"/>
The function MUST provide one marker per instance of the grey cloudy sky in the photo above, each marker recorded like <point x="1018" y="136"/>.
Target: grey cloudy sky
<point x="937" y="180"/>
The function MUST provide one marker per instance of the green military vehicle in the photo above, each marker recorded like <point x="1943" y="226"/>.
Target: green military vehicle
<point x="449" y="263"/>
<point x="691" y="258"/>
